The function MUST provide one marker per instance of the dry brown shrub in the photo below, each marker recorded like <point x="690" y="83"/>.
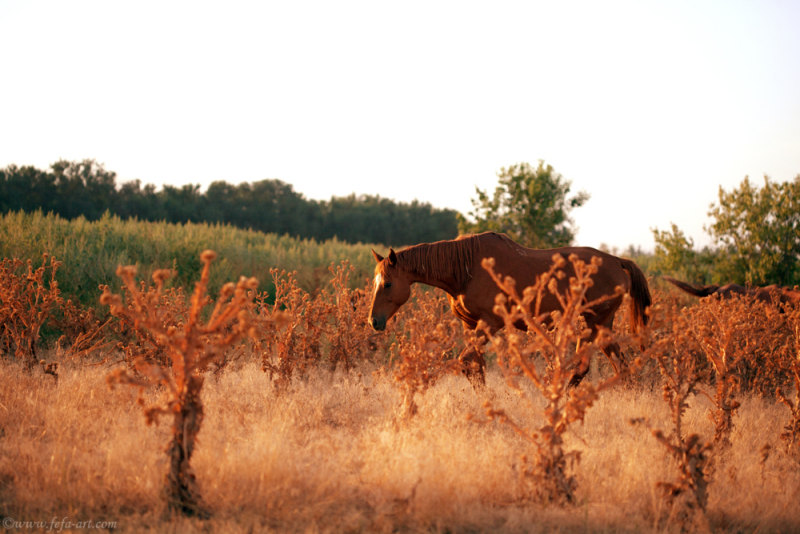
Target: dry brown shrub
<point x="290" y="348"/>
<point x="347" y="335"/>
<point x="190" y="343"/>
<point x="663" y="314"/>
<point x="28" y="297"/>
<point x="83" y="333"/>
<point x="791" y="431"/>
<point x="428" y="336"/>
<point x="328" y="328"/>
<point x="547" y="356"/>
<point x="747" y="346"/>
<point x="687" y="497"/>
<point x="137" y="343"/>
<point x="734" y="346"/>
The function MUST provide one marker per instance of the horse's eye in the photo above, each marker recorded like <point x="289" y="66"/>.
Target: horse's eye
<point x="387" y="285"/>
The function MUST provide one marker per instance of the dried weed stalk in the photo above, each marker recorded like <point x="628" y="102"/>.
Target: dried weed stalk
<point x="135" y="341"/>
<point x="28" y="296"/>
<point x="745" y="342"/>
<point x="791" y="431"/>
<point x="552" y="350"/>
<point x="191" y="344"/>
<point x="348" y="339"/>
<point x="688" y="495"/>
<point x="83" y="334"/>
<point x="290" y="347"/>
<point x="326" y="328"/>
<point x="428" y="338"/>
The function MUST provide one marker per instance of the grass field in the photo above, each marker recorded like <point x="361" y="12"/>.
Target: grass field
<point x="330" y="454"/>
<point x="92" y="250"/>
<point x="257" y="432"/>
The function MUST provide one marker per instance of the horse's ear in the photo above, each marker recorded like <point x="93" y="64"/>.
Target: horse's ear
<point x="377" y="256"/>
<point x="392" y="257"/>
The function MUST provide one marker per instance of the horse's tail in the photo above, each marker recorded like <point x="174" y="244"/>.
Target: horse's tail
<point x="640" y="293"/>
<point x="696" y="291"/>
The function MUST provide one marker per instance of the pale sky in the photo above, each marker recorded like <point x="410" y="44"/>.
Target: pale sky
<point x="647" y="106"/>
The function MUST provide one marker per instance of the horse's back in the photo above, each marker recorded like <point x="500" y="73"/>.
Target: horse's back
<point x="525" y="265"/>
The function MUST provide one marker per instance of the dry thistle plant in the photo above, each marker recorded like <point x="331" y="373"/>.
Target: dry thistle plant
<point x="745" y="341"/>
<point x="82" y="332"/>
<point x="28" y="296"/>
<point x="348" y="339"/>
<point x="291" y="346"/>
<point x="327" y="326"/>
<point x="791" y="431"/>
<point x="190" y="347"/>
<point x="428" y="336"/>
<point x="681" y="380"/>
<point x="137" y="343"/>
<point x="769" y="352"/>
<point x="559" y="340"/>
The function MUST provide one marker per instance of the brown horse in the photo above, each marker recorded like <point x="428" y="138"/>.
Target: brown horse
<point x="772" y="293"/>
<point x="455" y="267"/>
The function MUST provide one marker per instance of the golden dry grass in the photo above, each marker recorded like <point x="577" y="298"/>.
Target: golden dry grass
<point x="330" y="454"/>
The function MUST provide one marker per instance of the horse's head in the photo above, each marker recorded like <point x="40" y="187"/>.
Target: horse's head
<point x="392" y="289"/>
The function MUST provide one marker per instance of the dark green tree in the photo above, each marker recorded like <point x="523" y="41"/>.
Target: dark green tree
<point x="222" y="203"/>
<point x="530" y="204"/>
<point x="758" y="231"/>
<point x="83" y="188"/>
<point x="360" y="218"/>
<point x="276" y="206"/>
<point x="135" y="201"/>
<point x="182" y="204"/>
<point x="373" y="219"/>
<point x="27" y="189"/>
<point x="675" y="255"/>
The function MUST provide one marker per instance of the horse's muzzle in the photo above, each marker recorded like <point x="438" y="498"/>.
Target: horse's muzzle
<point x="377" y="324"/>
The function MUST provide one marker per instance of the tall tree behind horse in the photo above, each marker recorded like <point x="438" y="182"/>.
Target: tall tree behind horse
<point x="455" y="267"/>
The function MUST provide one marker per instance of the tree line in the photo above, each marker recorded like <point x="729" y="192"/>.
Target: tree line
<point x="755" y="230"/>
<point x="87" y="189"/>
<point x="756" y="236"/>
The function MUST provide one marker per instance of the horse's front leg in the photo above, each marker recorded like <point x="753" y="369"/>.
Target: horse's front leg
<point x="612" y="352"/>
<point x="477" y="332"/>
<point x="614" y="356"/>
<point x="473" y="363"/>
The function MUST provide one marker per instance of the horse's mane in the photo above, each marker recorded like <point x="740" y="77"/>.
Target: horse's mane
<point x="445" y="259"/>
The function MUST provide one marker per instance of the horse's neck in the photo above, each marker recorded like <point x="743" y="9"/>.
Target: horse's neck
<point x="422" y="270"/>
<point x="448" y="285"/>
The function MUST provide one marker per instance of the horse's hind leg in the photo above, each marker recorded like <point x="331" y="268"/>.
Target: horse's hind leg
<point x="611" y="350"/>
<point x="614" y="355"/>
